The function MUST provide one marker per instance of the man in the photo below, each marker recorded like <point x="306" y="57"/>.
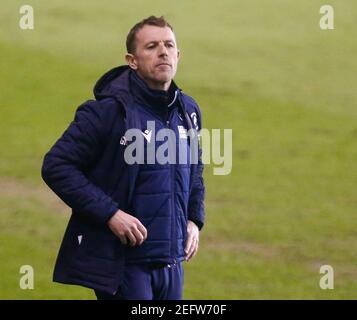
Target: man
<point x="132" y="224"/>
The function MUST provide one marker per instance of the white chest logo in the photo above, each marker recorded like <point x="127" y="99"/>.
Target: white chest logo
<point x="182" y="132"/>
<point x="147" y="135"/>
<point x="194" y="120"/>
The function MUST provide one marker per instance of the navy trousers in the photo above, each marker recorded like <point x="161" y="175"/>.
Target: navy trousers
<point x="149" y="282"/>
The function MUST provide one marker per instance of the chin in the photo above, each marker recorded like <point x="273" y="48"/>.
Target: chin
<point x="164" y="77"/>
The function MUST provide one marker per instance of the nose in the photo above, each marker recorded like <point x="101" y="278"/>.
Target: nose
<point x="162" y="49"/>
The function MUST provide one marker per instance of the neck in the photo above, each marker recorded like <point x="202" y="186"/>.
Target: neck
<point x="164" y="86"/>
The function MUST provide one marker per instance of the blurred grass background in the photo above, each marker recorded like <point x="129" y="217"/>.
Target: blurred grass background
<point x="262" y="68"/>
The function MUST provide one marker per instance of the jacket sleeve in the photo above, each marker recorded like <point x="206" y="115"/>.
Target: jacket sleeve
<point x="196" y="210"/>
<point x="64" y="165"/>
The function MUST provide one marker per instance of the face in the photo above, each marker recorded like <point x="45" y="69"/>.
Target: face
<point x="155" y="57"/>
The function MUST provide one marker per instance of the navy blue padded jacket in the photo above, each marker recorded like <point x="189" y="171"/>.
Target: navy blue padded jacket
<point x="87" y="170"/>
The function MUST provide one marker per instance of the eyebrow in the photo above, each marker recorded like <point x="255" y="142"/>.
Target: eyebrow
<point x="156" y="42"/>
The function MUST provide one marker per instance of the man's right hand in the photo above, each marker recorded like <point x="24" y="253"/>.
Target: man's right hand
<point x="127" y="228"/>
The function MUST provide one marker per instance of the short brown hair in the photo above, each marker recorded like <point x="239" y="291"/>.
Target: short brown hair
<point x="151" y="21"/>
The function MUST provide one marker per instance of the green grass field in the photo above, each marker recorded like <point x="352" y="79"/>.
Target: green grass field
<point x="262" y="68"/>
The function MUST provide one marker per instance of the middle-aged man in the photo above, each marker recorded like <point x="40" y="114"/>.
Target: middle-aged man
<point x="133" y="223"/>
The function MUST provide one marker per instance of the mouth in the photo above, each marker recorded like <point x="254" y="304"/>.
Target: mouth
<point x="163" y="64"/>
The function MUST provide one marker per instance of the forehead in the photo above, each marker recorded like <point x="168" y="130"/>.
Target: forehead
<point x="153" y="33"/>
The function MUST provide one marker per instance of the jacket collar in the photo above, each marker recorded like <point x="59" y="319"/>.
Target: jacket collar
<point x="157" y="100"/>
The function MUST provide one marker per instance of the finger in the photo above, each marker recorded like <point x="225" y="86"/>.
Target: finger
<point x="142" y="230"/>
<point x="138" y="236"/>
<point x="190" y="255"/>
<point x="188" y="243"/>
<point x="131" y="237"/>
<point x="192" y="250"/>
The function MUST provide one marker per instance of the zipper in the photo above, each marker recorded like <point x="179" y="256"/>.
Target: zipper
<point x="173" y="212"/>
<point x="173" y="220"/>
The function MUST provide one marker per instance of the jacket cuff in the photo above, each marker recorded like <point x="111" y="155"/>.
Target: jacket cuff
<point x="198" y="223"/>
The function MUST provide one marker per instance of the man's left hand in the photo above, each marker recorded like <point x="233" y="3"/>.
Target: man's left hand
<point x="193" y="235"/>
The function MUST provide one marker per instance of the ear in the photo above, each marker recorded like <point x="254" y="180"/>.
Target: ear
<point x="131" y="61"/>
